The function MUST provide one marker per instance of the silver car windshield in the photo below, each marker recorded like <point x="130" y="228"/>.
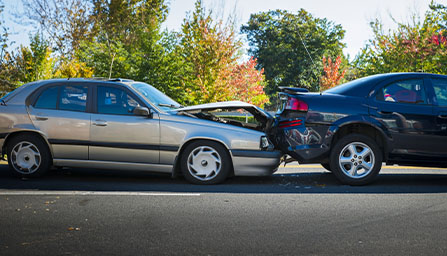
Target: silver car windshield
<point x="156" y="97"/>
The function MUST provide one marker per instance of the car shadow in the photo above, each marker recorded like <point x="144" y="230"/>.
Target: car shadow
<point x="317" y="182"/>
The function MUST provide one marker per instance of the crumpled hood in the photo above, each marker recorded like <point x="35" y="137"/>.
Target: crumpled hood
<point x="254" y="110"/>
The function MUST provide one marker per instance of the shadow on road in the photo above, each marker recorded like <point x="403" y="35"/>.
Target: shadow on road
<point x="299" y="182"/>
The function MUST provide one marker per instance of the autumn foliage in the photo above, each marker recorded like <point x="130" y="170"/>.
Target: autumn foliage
<point x="415" y="46"/>
<point x="212" y="71"/>
<point x="246" y="83"/>
<point x="332" y="73"/>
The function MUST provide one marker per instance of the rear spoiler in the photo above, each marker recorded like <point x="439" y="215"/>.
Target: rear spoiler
<point x="293" y="90"/>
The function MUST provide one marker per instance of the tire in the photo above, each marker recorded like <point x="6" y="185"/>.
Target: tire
<point x="356" y="159"/>
<point x="327" y="167"/>
<point x="205" y="163"/>
<point x="28" y="156"/>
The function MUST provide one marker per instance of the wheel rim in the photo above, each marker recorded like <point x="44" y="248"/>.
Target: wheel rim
<point x="356" y="160"/>
<point x="25" y="158"/>
<point x="204" y="163"/>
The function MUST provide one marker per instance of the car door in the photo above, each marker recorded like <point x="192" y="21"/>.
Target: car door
<point x="61" y="112"/>
<point x="405" y="110"/>
<point x="117" y="134"/>
<point x="439" y="90"/>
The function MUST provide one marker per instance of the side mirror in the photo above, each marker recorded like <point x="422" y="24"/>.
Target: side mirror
<point x="142" y="111"/>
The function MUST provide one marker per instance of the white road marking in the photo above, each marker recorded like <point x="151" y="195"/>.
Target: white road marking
<point x="316" y="166"/>
<point x="88" y="193"/>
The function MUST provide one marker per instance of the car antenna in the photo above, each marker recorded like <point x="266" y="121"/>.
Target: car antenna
<point x="305" y="47"/>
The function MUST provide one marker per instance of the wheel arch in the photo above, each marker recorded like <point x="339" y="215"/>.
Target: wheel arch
<point x="367" y="129"/>
<point x="27" y="132"/>
<point x="176" y="168"/>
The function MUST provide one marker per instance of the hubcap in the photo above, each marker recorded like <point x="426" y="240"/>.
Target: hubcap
<point x="25" y="158"/>
<point x="356" y="160"/>
<point x="204" y="163"/>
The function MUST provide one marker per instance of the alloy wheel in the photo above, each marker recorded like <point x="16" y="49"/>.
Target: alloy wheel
<point x="356" y="160"/>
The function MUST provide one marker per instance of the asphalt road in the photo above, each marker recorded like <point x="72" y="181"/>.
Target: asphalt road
<point x="298" y="211"/>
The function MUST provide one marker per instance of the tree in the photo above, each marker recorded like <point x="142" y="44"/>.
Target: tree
<point x="126" y="36"/>
<point x="208" y="48"/>
<point x="413" y="47"/>
<point x="285" y="45"/>
<point x="331" y="73"/>
<point x="34" y="63"/>
<point x="65" y="22"/>
<point x="209" y="53"/>
<point x="73" y="68"/>
<point x="247" y="84"/>
<point x="8" y="71"/>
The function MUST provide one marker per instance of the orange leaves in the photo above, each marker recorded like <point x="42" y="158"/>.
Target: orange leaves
<point x="211" y="50"/>
<point x="246" y="83"/>
<point x="332" y="74"/>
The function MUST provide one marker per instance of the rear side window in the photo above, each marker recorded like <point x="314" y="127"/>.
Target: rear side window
<point x="48" y="98"/>
<point x="408" y="91"/>
<point x="73" y="98"/>
<point x="440" y="88"/>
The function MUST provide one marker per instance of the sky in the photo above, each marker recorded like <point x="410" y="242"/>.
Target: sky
<point x="353" y="15"/>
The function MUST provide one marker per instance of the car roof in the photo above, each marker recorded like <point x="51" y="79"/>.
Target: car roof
<point x="86" y="80"/>
<point x="363" y="86"/>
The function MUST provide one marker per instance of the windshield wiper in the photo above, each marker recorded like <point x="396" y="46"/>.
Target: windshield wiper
<point x="169" y="105"/>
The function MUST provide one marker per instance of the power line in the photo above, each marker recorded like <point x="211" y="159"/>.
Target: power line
<point x="302" y="41"/>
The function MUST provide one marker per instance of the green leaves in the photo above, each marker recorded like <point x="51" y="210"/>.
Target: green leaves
<point x="278" y="39"/>
<point x="413" y="47"/>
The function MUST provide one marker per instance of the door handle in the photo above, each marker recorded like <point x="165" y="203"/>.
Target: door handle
<point x="41" y="118"/>
<point x="384" y="112"/>
<point x="100" y="123"/>
<point x="443" y="116"/>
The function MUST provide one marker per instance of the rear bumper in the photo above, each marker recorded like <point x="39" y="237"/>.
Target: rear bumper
<point x="255" y="162"/>
<point x="305" y="144"/>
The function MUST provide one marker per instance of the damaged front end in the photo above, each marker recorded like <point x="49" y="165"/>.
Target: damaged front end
<point x="235" y="113"/>
<point x="286" y="131"/>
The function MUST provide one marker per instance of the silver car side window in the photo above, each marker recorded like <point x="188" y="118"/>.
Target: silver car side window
<point x="73" y="98"/>
<point x="115" y="101"/>
<point x="48" y="98"/>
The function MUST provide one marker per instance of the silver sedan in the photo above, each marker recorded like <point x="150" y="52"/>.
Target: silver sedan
<point x="128" y="125"/>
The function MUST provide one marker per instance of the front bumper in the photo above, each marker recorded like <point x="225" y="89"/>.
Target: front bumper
<point x="255" y="162"/>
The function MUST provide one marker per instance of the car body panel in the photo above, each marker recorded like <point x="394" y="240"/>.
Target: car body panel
<point x="410" y="132"/>
<point x="151" y="143"/>
<point x="124" y="138"/>
<point x="67" y="131"/>
<point x="440" y="113"/>
<point x="311" y="141"/>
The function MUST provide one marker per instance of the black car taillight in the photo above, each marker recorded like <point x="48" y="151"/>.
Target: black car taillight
<point x="296" y="104"/>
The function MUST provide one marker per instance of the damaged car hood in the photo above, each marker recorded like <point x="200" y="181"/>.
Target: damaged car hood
<point x="205" y="111"/>
<point x="229" y="105"/>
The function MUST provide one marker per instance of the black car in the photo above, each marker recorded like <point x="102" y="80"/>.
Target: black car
<point x="351" y="129"/>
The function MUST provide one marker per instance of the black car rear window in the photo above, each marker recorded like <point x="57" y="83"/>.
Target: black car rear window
<point x="358" y="87"/>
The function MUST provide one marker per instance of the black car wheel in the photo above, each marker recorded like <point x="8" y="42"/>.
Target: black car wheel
<point x="356" y="159"/>
<point x="205" y="163"/>
<point x="28" y="156"/>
